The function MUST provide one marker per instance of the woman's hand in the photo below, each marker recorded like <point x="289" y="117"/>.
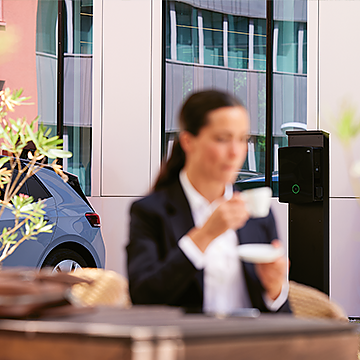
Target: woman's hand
<point x="230" y="214"/>
<point x="273" y="275"/>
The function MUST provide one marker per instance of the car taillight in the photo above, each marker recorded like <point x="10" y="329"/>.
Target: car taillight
<point x="93" y="219"/>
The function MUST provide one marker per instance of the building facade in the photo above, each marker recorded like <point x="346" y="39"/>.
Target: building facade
<point x="129" y="65"/>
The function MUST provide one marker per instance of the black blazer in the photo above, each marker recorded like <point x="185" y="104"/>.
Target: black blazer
<point x="159" y="272"/>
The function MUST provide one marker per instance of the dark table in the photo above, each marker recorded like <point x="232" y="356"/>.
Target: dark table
<point x="161" y="333"/>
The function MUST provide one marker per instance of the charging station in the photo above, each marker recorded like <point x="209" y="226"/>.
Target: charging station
<point x="304" y="185"/>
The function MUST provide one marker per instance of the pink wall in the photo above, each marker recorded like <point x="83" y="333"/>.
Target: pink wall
<point x="17" y="51"/>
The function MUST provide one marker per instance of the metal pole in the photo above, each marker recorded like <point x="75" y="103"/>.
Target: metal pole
<point x="269" y="93"/>
<point x="60" y="73"/>
<point x="165" y="5"/>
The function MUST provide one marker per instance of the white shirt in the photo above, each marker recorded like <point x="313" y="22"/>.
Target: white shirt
<point x="224" y="282"/>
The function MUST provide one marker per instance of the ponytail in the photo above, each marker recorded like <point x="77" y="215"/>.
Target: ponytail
<point x="171" y="169"/>
<point x="193" y="117"/>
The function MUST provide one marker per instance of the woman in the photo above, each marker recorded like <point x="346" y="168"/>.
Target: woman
<point x="183" y="236"/>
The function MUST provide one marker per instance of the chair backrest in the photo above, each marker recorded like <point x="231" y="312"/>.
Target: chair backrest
<point x="306" y="301"/>
<point x="102" y="287"/>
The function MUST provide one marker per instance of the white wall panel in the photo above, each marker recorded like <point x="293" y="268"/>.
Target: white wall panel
<point x="115" y="218"/>
<point x="126" y="97"/>
<point x="339" y="79"/>
<point x="345" y="254"/>
<point x="312" y="64"/>
<point x="333" y="80"/>
<point x="156" y="53"/>
<point x="97" y="99"/>
<point x="126" y="114"/>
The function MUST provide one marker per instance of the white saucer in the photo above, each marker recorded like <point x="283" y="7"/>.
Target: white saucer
<point x="259" y="253"/>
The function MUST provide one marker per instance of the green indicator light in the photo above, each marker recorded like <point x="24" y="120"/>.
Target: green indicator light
<point x="295" y="189"/>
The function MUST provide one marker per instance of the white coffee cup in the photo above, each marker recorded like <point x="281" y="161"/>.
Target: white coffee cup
<point x="257" y="201"/>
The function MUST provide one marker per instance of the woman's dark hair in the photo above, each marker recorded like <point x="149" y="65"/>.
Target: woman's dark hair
<point x="193" y="117"/>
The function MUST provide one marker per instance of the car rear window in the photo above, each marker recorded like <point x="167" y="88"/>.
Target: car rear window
<point x="32" y="187"/>
<point x="73" y="181"/>
<point x="36" y="189"/>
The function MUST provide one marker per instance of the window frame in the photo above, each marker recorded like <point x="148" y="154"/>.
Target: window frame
<point x="271" y="33"/>
<point x="2" y="20"/>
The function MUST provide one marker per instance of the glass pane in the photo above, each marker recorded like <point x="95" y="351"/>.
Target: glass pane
<point x="46" y="27"/>
<point x="232" y="41"/>
<point x="78" y="140"/>
<point x="78" y="90"/>
<point x="304" y="57"/>
<point x="290" y="79"/>
<point x="28" y="56"/>
<point x="187" y="33"/>
<point x="213" y="38"/>
<point x="238" y="42"/>
<point x="287" y="46"/>
<point x="84" y="29"/>
<point x="46" y="61"/>
<point x="167" y="34"/>
<point x="260" y="44"/>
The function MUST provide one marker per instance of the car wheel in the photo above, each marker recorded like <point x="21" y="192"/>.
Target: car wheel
<point x="64" y="260"/>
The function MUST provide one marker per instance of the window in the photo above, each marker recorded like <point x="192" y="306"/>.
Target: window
<point x="32" y="187"/>
<point x="187" y="44"/>
<point x="23" y="189"/>
<point x="224" y="47"/>
<point x="2" y="20"/>
<point x="36" y="189"/>
<point x="304" y="49"/>
<point x="167" y="36"/>
<point x="259" y="44"/>
<point x="83" y="26"/>
<point x="78" y="92"/>
<point x="238" y="42"/>
<point x="46" y="25"/>
<point x="287" y="56"/>
<point x="77" y="104"/>
<point x="289" y="78"/>
<point x="213" y="38"/>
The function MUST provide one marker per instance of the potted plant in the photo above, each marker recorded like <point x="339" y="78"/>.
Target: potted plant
<point x="15" y="135"/>
<point x="347" y="128"/>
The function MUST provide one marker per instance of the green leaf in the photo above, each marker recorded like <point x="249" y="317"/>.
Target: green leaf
<point x="57" y="153"/>
<point x="47" y="132"/>
<point x="32" y="135"/>
<point x="53" y="142"/>
<point x="4" y="160"/>
<point x="47" y="228"/>
<point x="348" y="127"/>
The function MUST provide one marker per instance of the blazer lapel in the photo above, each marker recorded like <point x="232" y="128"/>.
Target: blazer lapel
<point x="181" y="219"/>
<point x="179" y="211"/>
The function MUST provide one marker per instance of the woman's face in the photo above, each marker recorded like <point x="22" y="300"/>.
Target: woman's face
<point x="220" y="148"/>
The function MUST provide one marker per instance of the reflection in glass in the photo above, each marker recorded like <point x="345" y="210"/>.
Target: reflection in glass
<point x="78" y="15"/>
<point x="46" y="27"/>
<point x="167" y="34"/>
<point x="287" y="60"/>
<point x="46" y="60"/>
<point x="238" y="42"/>
<point x="83" y="28"/>
<point x="78" y="90"/>
<point x="213" y="38"/>
<point x="259" y="44"/>
<point x="211" y="45"/>
<point x="304" y="52"/>
<point x="289" y="79"/>
<point x="187" y="33"/>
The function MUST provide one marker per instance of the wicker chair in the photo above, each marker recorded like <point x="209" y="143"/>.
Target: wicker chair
<point x="306" y="301"/>
<point x="102" y="287"/>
